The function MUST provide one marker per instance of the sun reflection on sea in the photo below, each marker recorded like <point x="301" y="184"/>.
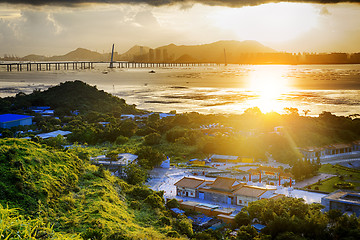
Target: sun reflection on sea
<point x="268" y="83"/>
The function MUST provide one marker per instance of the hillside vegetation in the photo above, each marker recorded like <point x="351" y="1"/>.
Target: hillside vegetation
<point x="64" y="194"/>
<point x="67" y="97"/>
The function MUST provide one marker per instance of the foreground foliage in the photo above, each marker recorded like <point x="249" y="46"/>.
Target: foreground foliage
<point x="71" y="196"/>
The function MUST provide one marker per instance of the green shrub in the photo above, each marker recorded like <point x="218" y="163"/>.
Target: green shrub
<point x="155" y="201"/>
<point x="172" y="203"/>
<point x="121" y="140"/>
<point x="152" y="139"/>
<point x="173" y="234"/>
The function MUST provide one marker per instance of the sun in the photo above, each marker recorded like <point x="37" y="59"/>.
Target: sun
<point x="268" y="83"/>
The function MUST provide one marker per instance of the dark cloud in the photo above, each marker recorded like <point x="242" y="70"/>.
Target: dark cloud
<point x="230" y="3"/>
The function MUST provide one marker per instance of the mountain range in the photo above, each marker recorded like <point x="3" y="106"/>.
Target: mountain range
<point x="213" y="52"/>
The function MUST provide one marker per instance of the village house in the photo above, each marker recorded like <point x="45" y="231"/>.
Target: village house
<point x="187" y="186"/>
<point x="221" y="190"/>
<point x="247" y="194"/>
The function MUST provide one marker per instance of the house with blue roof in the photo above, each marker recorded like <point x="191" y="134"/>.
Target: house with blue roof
<point x="14" y="120"/>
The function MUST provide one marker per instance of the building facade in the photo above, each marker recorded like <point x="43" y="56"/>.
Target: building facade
<point x="345" y="201"/>
<point x="14" y="120"/>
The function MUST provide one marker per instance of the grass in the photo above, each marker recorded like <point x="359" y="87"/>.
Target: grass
<point x="71" y="197"/>
<point x="343" y="174"/>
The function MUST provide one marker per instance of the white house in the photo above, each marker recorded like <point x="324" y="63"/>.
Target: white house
<point x="247" y="194"/>
<point x="187" y="186"/>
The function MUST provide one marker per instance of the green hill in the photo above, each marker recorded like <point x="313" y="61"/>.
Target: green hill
<point x="69" y="96"/>
<point x="63" y="191"/>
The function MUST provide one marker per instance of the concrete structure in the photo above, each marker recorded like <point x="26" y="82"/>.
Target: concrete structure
<point x="338" y="149"/>
<point x="272" y="175"/>
<point x="231" y="159"/>
<point x="313" y="153"/>
<point x="52" y="134"/>
<point x="356" y="145"/>
<point x="117" y="167"/>
<point x="14" y="120"/>
<point x="345" y="201"/>
<point x="224" y="158"/>
<point x="165" y="163"/>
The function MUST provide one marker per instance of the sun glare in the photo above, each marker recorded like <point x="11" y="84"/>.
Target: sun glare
<point x="274" y="22"/>
<point x="268" y="83"/>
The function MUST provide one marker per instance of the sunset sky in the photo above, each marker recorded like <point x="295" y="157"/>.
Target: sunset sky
<point x="29" y="26"/>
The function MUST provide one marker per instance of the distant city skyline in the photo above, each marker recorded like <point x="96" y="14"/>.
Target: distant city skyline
<point x="293" y="27"/>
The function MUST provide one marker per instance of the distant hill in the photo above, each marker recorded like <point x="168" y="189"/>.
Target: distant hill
<point x="34" y="57"/>
<point x="134" y="52"/>
<point x="212" y="52"/>
<point x="80" y="54"/>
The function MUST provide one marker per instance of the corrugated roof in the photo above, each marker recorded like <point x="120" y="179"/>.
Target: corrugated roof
<point x="53" y="134"/>
<point x="189" y="182"/>
<point x="12" y="117"/>
<point x="250" y="191"/>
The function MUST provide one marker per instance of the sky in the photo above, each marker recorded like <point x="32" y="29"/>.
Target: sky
<point x="57" y="27"/>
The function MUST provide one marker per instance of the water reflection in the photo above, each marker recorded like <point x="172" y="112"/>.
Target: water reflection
<point x="269" y="83"/>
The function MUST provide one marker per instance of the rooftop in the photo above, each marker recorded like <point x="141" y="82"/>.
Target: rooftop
<point x="338" y="146"/>
<point x="12" y="117"/>
<point x="345" y="196"/>
<point x="189" y="182"/>
<point x="224" y="183"/>
<point x="53" y="134"/>
<point x="228" y="157"/>
<point x="251" y="191"/>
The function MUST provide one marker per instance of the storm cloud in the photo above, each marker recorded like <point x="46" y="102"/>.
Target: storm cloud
<point x="229" y="3"/>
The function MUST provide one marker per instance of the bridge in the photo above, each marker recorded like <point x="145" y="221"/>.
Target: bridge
<point x="74" y="65"/>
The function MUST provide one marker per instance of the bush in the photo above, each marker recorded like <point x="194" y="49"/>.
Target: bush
<point x="135" y="205"/>
<point x="155" y="201"/>
<point x="173" y="234"/>
<point x="121" y="140"/>
<point x="152" y="139"/>
<point x="172" y="203"/>
<point x="185" y="227"/>
<point x="344" y="185"/>
<point x="242" y="218"/>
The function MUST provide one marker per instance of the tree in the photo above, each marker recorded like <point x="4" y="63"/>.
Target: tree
<point x="152" y="139"/>
<point x="149" y="158"/>
<point x="135" y="175"/>
<point x="242" y="218"/>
